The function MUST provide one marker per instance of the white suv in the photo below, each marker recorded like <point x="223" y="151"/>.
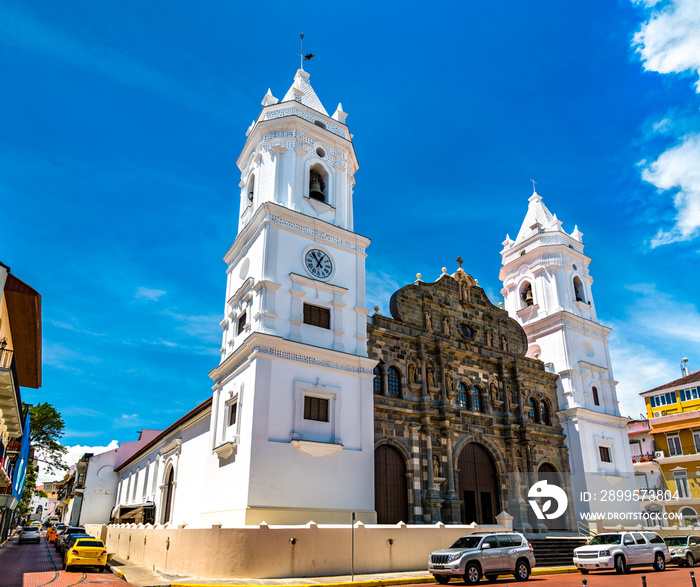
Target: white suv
<point x="622" y="550"/>
<point x="489" y="554"/>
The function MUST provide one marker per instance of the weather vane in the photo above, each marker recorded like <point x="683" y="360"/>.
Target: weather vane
<point x="534" y="191"/>
<point x="303" y="57"/>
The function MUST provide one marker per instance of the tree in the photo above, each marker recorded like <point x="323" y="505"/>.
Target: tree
<point x="46" y="428"/>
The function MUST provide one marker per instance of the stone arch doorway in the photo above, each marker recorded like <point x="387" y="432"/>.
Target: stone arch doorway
<point x="478" y="485"/>
<point x="390" y="493"/>
<point x="548" y="473"/>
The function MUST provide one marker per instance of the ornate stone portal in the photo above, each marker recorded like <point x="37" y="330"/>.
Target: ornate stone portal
<point x="454" y="394"/>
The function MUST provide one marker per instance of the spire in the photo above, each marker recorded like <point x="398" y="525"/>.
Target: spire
<point x="537" y="219"/>
<point x="301" y="91"/>
<point x="269" y="99"/>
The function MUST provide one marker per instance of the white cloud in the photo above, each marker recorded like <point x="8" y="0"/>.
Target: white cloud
<point x="379" y="288"/>
<point x="152" y="295"/>
<point x="678" y="169"/>
<point x="71" y="457"/>
<point x="669" y="42"/>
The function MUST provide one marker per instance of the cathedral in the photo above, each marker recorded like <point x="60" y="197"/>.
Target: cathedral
<point x="445" y="411"/>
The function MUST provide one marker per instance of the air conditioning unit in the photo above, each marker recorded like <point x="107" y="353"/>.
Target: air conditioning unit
<point x="657" y="414"/>
<point x="659" y="454"/>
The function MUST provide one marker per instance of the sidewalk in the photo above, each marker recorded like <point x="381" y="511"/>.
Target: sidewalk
<point x="142" y="577"/>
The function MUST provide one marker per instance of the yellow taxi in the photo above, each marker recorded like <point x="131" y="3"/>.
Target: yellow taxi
<point x="52" y="530"/>
<point x="86" y="552"/>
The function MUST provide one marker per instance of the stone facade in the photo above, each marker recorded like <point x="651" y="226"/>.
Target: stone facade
<point x="453" y="372"/>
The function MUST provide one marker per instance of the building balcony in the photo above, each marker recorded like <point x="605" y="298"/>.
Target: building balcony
<point x="14" y="447"/>
<point x="10" y="398"/>
<point x="643" y="458"/>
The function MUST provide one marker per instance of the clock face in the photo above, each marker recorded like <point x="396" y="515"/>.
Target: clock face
<point x="318" y="263"/>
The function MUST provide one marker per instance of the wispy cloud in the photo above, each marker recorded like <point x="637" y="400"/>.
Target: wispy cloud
<point x="81" y="411"/>
<point x="379" y="288"/>
<point x="62" y="357"/>
<point x="73" y="327"/>
<point x="151" y="295"/>
<point x="128" y="420"/>
<point x="648" y="341"/>
<point x="199" y="327"/>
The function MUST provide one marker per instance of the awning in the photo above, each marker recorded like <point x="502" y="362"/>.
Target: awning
<point x="138" y="513"/>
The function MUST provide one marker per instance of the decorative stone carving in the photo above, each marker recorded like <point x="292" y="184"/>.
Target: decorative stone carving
<point x="446" y="325"/>
<point x="428" y="320"/>
<point x="431" y="377"/>
<point x="448" y="380"/>
<point x="411" y="373"/>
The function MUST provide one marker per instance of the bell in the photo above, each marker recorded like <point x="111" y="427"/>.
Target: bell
<point x="315" y="191"/>
<point x="528" y="297"/>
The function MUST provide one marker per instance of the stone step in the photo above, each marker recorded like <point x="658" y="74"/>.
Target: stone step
<point x="555" y="551"/>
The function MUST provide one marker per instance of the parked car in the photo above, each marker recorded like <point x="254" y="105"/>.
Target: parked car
<point x="29" y="534"/>
<point x="62" y="534"/>
<point x="685" y="550"/>
<point x="622" y="550"/>
<point x="53" y="530"/>
<point x="484" y="553"/>
<point x="70" y="539"/>
<point x="86" y="552"/>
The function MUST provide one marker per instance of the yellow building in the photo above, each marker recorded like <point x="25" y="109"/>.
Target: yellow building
<point x="673" y="410"/>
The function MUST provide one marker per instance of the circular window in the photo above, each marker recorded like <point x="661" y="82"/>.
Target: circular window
<point x="466" y="331"/>
<point x="320" y="152"/>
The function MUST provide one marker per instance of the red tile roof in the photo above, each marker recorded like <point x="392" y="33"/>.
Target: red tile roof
<point x="692" y="378"/>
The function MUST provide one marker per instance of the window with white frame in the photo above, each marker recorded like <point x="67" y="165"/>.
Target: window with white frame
<point x="641" y="480"/>
<point x="232" y="412"/>
<point x="605" y="454"/>
<point x="696" y="440"/>
<point x="674" y="445"/>
<point x="689" y="394"/>
<point x="681" y="479"/>
<point x="664" y="399"/>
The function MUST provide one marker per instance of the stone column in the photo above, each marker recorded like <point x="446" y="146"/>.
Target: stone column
<point x="432" y="504"/>
<point x="452" y="503"/>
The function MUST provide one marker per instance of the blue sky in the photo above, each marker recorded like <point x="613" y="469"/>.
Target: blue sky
<point x="122" y="123"/>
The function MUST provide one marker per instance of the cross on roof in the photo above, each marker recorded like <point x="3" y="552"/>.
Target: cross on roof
<point x="460" y="261"/>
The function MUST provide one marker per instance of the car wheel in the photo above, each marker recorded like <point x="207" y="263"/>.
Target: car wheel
<point x="102" y="570"/>
<point x="690" y="559"/>
<point x="522" y="570"/>
<point x="659" y="562"/>
<point x="442" y="579"/>
<point x="472" y="574"/>
<point x="583" y="571"/>
<point x="620" y="567"/>
<point x="491" y="577"/>
<point x="67" y="568"/>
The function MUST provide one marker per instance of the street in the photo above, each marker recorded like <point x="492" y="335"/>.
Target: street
<point x="39" y="565"/>
<point x="673" y="575"/>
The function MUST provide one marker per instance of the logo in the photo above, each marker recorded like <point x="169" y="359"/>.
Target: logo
<point x="541" y="490"/>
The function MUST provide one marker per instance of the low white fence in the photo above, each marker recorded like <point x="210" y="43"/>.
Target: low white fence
<point x="282" y="551"/>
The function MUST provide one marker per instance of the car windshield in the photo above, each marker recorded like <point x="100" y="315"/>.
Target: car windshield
<point x="467" y="542"/>
<point x="605" y="539"/>
<point x="676" y="540"/>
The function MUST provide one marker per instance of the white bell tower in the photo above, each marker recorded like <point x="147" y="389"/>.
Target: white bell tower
<point x="547" y="289"/>
<point x="292" y="412"/>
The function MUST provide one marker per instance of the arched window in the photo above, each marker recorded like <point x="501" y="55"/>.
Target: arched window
<point x="378" y="384"/>
<point x="145" y="481"/>
<point x="463" y="396"/>
<point x="250" y="190"/>
<point x="318" y="183"/>
<point x="546" y="413"/>
<point x="596" y="399"/>
<point x="579" y="292"/>
<point x="169" y="487"/>
<point x="477" y="399"/>
<point x="534" y="409"/>
<point x="526" y="297"/>
<point x="136" y="483"/>
<point x="155" y="476"/>
<point x="394" y="382"/>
